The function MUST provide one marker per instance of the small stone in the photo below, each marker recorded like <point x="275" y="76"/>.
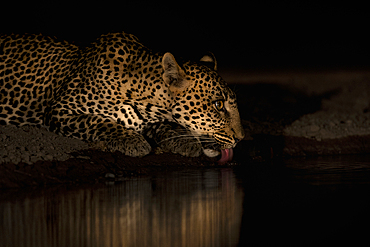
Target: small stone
<point x="33" y="159"/>
<point x="48" y="157"/>
<point x="25" y="157"/>
<point x="83" y="157"/>
<point x="109" y="175"/>
<point x="314" y="128"/>
<point x="16" y="160"/>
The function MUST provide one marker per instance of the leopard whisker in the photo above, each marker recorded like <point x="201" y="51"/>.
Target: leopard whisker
<point x="178" y="136"/>
<point x="200" y="138"/>
<point x="208" y="141"/>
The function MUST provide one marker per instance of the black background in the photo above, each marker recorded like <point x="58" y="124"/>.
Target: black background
<point x="246" y="34"/>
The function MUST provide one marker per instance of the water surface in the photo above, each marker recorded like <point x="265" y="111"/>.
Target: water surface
<point x="185" y="208"/>
<point x="298" y="202"/>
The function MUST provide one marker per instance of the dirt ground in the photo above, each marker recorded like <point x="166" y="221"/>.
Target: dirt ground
<point x="284" y="113"/>
<point x="322" y="112"/>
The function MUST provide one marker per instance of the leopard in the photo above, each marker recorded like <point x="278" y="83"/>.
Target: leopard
<point x="118" y="95"/>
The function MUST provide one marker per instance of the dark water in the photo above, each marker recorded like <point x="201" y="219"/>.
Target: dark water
<point x="294" y="203"/>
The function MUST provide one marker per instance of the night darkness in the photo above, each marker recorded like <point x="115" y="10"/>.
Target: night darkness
<point x="259" y="34"/>
<point x="299" y="202"/>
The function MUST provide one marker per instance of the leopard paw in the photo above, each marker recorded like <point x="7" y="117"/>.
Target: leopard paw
<point x="133" y="145"/>
<point x="186" y="147"/>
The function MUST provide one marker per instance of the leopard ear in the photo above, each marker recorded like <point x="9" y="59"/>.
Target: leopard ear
<point x="209" y="60"/>
<point x="173" y="75"/>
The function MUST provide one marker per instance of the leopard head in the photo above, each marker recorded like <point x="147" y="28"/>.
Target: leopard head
<point x="204" y="104"/>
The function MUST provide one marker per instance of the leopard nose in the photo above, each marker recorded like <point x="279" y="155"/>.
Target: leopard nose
<point x="236" y="140"/>
<point x="238" y="135"/>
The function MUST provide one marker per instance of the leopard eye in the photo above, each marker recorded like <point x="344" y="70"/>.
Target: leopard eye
<point x="219" y="105"/>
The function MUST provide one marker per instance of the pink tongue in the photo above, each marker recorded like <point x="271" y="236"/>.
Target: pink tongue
<point x="226" y="155"/>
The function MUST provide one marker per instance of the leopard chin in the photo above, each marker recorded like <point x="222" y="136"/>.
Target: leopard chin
<point x="226" y="154"/>
<point x="211" y="152"/>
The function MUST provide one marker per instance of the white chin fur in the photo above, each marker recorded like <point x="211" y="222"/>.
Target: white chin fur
<point x="210" y="152"/>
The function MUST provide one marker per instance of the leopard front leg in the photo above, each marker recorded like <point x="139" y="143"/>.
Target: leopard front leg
<point x="102" y="131"/>
<point x="176" y="141"/>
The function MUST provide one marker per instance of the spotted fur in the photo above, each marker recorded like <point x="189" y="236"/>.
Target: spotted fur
<point x="116" y="94"/>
